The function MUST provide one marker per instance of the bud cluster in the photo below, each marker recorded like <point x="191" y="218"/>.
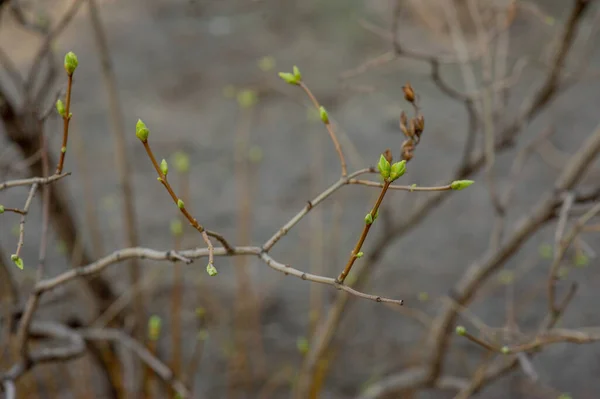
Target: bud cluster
<point x="413" y="127"/>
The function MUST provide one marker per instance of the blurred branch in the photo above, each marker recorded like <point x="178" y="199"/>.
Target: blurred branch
<point x="119" y="337"/>
<point x="474" y="277"/>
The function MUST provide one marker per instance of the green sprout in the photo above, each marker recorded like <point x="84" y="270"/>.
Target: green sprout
<point x="71" y="62"/>
<point x="141" y="131"/>
<point x="17" y="261"/>
<point x="461" y="330"/>
<point x="384" y="167"/>
<point x="460" y="184"/>
<point x="164" y="167"/>
<point x="211" y="270"/>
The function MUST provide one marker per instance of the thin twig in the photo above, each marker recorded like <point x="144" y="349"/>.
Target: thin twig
<point x="317" y="200"/>
<point x="363" y="235"/>
<point x="161" y="369"/>
<point x="34" y="180"/>
<point x="332" y="135"/>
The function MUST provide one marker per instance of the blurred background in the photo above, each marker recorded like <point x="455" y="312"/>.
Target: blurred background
<point x="247" y="151"/>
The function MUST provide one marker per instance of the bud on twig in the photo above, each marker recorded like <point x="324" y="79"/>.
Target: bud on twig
<point x="60" y="108"/>
<point x="17" y="261"/>
<point x="71" y="62"/>
<point x="324" y="116"/>
<point x="180" y="204"/>
<point x="368" y="218"/>
<point x="297" y="73"/>
<point x="460" y="184"/>
<point x="409" y="94"/>
<point x="164" y="167"/>
<point x="397" y="170"/>
<point x="359" y="255"/>
<point x="141" y="131"/>
<point x="1" y="209"/>
<point x="384" y="167"/>
<point x="289" y="78"/>
<point x="460" y="330"/>
<point x="211" y="270"/>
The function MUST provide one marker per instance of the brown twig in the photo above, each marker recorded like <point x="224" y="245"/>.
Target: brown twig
<point x="363" y="235"/>
<point x="66" y="119"/>
<point x="330" y="130"/>
<point x="563" y="244"/>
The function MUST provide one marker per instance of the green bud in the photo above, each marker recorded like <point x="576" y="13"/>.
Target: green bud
<point x="182" y="162"/>
<point x="211" y="270"/>
<point x="289" y="78"/>
<point x="203" y="335"/>
<point x="63" y="149"/>
<point x="71" y="62"/>
<point x="266" y="63"/>
<point x="546" y="251"/>
<point x="200" y="311"/>
<point x="384" y="167"/>
<point x="154" y="326"/>
<point x="581" y="259"/>
<point x="176" y="227"/>
<point x="297" y="73"/>
<point x="302" y="345"/>
<point x="60" y="108"/>
<point x="397" y="170"/>
<point x="359" y="255"/>
<point x="460" y="184"/>
<point x="460" y="330"/>
<point x="412" y="187"/>
<point x="141" y="131"/>
<point x="1" y="209"/>
<point x="247" y="98"/>
<point x="164" y="167"/>
<point x="368" y="218"/>
<point x="323" y="115"/>
<point x="505" y="350"/>
<point x="180" y="204"/>
<point x="17" y="261"/>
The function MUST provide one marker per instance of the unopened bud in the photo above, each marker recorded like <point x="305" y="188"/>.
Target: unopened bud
<point x="289" y="78"/>
<point x="324" y="116"/>
<point x="211" y="270"/>
<point x="409" y="94"/>
<point x="460" y="184"/>
<point x="164" y="167"/>
<point x="71" y="62"/>
<point x="141" y="131"/>
<point x="60" y="108"/>
<point x="384" y="167"/>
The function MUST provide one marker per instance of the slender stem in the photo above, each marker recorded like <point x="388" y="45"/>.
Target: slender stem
<point x="31" y="181"/>
<point x="66" y="120"/>
<point x="317" y="200"/>
<point x="336" y="143"/>
<point x="364" y="234"/>
<point x="403" y="188"/>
